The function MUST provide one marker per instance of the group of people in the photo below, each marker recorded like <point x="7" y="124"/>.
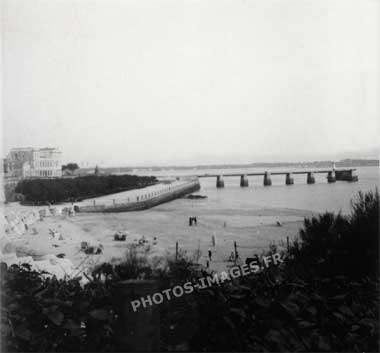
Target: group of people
<point x="192" y="220"/>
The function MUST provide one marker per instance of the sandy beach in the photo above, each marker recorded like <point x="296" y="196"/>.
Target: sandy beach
<point x="248" y="216"/>
<point x="253" y="231"/>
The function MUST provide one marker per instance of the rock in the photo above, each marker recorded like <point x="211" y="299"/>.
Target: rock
<point x="194" y="197"/>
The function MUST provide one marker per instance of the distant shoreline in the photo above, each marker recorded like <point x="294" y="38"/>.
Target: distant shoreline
<point x="344" y="163"/>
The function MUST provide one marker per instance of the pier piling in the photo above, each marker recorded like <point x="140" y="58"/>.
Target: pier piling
<point x="219" y="181"/>
<point x="267" y="179"/>
<point x="243" y="180"/>
<point x="310" y="178"/>
<point x="289" y="180"/>
<point x="331" y="178"/>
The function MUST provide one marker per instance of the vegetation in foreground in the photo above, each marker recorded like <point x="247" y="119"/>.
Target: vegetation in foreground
<point x="324" y="297"/>
<point x="40" y="191"/>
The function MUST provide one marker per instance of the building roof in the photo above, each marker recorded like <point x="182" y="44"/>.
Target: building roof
<point x="22" y="149"/>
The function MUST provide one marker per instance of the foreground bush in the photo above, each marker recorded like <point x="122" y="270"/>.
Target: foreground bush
<point x="71" y="189"/>
<point x="318" y="299"/>
<point x="325" y="297"/>
<point x="336" y="245"/>
<point x="43" y="315"/>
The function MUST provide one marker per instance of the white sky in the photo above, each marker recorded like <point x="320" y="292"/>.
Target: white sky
<point x="157" y="82"/>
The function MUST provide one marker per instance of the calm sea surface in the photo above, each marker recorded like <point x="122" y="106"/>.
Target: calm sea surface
<point x="317" y="197"/>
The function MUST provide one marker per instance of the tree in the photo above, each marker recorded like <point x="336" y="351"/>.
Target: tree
<point x="70" y="166"/>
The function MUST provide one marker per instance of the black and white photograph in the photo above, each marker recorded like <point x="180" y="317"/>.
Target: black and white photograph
<point x="189" y="175"/>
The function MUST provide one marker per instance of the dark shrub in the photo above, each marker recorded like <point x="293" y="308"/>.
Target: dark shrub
<point x="60" y="190"/>
<point x="320" y="299"/>
<point x="333" y="244"/>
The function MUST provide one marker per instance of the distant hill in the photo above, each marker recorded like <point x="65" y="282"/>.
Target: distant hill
<point x="357" y="162"/>
<point x="344" y="163"/>
<point x="313" y="164"/>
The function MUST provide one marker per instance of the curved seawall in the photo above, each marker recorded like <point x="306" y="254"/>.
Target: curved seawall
<point x="148" y="198"/>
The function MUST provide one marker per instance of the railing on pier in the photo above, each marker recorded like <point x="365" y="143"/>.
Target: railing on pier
<point x="149" y="198"/>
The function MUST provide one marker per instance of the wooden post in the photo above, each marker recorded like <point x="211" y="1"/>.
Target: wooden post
<point x="236" y="253"/>
<point x="176" y="250"/>
<point x="287" y="243"/>
<point x="199" y="250"/>
<point x="138" y="330"/>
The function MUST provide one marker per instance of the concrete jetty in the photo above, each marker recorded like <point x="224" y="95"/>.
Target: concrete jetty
<point x="141" y="199"/>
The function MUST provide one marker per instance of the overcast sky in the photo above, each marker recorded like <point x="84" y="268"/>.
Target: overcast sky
<point x="180" y="82"/>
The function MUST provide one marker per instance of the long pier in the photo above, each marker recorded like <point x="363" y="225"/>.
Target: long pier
<point x="141" y="199"/>
<point x="332" y="176"/>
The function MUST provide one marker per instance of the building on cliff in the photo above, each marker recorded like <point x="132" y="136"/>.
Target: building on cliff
<point x="33" y="163"/>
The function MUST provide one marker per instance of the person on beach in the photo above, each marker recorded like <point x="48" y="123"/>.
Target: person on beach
<point x="213" y="240"/>
<point x="209" y="254"/>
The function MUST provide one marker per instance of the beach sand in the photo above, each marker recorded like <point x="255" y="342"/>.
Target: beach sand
<point x="253" y="231"/>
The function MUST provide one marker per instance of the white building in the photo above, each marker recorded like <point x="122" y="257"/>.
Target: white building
<point x="38" y="163"/>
